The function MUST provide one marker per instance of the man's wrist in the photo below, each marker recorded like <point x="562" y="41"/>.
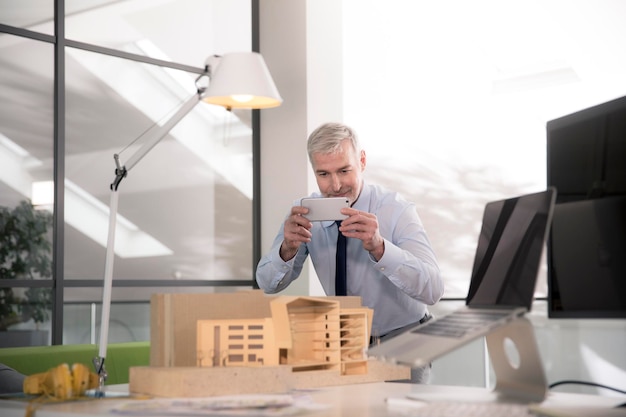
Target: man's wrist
<point x="378" y="252"/>
<point x="286" y="254"/>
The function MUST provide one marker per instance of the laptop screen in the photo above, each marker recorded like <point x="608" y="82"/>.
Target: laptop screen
<point x="510" y="246"/>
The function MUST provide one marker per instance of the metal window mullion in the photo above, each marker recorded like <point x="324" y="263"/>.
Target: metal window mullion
<point x="256" y="158"/>
<point x="59" y="173"/>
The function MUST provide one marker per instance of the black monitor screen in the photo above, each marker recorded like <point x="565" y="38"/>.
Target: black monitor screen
<point x="586" y="162"/>
<point x="588" y="259"/>
<point x="586" y="152"/>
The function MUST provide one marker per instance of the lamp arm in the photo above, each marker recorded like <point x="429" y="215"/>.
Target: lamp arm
<point x="120" y="173"/>
<point x="160" y="133"/>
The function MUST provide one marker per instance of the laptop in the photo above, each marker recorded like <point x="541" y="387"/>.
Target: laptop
<point x="506" y="264"/>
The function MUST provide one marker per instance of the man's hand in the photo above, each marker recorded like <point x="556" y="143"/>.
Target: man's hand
<point x="363" y="226"/>
<point x="297" y="230"/>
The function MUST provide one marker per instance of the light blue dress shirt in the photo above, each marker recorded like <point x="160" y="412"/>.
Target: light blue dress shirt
<point x="397" y="287"/>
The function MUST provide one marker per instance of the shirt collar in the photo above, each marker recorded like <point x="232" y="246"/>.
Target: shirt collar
<point x="363" y="201"/>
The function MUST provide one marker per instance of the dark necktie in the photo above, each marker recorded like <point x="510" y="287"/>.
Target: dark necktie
<point x="340" y="258"/>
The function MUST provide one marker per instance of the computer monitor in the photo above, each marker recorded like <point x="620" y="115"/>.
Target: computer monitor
<point x="586" y="162"/>
<point x="588" y="259"/>
<point x="586" y="152"/>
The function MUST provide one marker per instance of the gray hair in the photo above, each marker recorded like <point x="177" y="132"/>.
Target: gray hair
<point x="328" y="138"/>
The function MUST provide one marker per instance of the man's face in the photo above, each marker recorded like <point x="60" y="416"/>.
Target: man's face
<point x="339" y="174"/>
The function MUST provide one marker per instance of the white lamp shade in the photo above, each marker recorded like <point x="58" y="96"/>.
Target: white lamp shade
<point x="242" y="80"/>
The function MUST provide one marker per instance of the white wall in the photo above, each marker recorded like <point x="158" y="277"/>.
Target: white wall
<point x="283" y="162"/>
<point x="312" y="95"/>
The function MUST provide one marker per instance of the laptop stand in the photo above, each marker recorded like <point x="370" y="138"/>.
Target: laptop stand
<point x="522" y="379"/>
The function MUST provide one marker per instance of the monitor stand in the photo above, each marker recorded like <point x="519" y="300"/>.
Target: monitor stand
<point x="519" y="376"/>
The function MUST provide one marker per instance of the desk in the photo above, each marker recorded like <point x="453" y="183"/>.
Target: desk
<point x="359" y="400"/>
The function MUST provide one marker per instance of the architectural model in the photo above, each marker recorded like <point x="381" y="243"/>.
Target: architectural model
<point x="306" y="333"/>
<point x="207" y="344"/>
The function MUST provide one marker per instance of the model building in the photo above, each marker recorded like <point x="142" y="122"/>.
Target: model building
<point x="306" y="333"/>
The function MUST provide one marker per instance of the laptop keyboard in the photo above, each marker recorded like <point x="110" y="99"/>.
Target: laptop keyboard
<point x="458" y="323"/>
<point x="469" y="409"/>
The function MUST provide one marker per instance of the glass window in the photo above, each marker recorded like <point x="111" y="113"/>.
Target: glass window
<point x="35" y="15"/>
<point x="129" y="322"/>
<point x="129" y="313"/>
<point x="185" y="209"/>
<point x="26" y="148"/>
<point x="181" y="31"/>
<point x="26" y="116"/>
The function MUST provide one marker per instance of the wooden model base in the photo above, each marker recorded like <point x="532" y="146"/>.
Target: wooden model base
<point x="188" y="382"/>
<point x="248" y="343"/>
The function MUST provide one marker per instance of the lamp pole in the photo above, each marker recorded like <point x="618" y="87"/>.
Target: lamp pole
<point x="121" y="171"/>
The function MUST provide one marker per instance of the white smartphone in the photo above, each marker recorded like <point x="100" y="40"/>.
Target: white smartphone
<point x="324" y="208"/>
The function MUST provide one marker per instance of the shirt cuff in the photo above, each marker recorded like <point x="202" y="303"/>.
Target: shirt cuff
<point x="389" y="259"/>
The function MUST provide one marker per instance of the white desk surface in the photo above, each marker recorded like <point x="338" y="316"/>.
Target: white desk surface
<point x="359" y="400"/>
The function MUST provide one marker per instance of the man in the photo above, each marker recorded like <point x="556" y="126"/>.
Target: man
<point x="390" y="263"/>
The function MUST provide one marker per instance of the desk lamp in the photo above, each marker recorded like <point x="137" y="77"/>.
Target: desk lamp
<point x="236" y="80"/>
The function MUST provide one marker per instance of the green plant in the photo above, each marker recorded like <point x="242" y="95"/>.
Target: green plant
<point x="25" y="253"/>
